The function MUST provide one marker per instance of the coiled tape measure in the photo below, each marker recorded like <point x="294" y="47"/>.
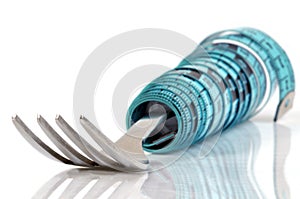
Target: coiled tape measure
<point x="228" y="78"/>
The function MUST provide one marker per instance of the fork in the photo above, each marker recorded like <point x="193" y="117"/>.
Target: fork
<point x="227" y="79"/>
<point x="125" y="155"/>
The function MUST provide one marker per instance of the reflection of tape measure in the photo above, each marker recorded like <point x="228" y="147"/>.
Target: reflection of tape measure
<point x="227" y="79"/>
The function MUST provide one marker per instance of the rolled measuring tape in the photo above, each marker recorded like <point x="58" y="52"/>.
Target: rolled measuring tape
<point x="227" y="79"/>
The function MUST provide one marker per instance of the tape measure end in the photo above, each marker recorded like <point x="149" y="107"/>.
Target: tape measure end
<point x="285" y="105"/>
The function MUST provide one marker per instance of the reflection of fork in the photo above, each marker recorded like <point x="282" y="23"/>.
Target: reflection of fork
<point x="127" y="186"/>
<point x="126" y="154"/>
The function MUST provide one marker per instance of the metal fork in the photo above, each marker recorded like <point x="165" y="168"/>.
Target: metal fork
<point x="125" y="155"/>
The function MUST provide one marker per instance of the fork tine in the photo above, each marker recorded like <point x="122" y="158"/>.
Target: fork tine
<point x="110" y="148"/>
<point x="37" y="143"/>
<point x="62" y="145"/>
<point x="72" y="134"/>
<point x="100" y="158"/>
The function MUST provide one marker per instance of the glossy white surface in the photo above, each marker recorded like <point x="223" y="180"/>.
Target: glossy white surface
<point x="43" y="45"/>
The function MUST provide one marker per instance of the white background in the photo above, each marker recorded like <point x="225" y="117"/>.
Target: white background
<point x="43" y="45"/>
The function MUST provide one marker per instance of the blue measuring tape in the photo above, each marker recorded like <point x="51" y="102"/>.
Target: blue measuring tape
<point x="227" y="79"/>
